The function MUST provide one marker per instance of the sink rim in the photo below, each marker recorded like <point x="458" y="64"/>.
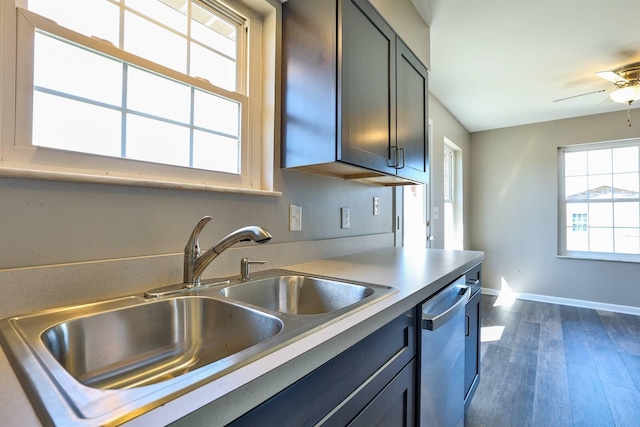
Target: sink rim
<point x="83" y="405"/>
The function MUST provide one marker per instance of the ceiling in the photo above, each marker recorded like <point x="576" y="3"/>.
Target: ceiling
<point x="500" y="63"/>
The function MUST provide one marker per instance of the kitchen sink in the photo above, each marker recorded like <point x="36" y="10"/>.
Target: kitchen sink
<point x="149" y="343"/>
<point x="297" y="294"/>
<point x="107" y="362"/>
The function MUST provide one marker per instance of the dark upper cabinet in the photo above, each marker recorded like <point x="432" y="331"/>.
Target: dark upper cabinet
<point x="412" y="113"/>
<point x="355" y="97"/>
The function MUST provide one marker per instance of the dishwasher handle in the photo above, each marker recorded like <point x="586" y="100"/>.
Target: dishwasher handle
<point x="432" y="321"/>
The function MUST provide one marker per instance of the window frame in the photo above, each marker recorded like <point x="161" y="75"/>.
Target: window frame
<point x="19" y="158"/>
<point x="450" y="156"/>
<point x="562" y="251"/>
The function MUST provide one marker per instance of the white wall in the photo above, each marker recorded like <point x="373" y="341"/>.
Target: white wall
<point x="514" y="189"/>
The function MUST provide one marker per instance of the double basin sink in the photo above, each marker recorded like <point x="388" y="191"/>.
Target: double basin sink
<point x="107" y="362"/>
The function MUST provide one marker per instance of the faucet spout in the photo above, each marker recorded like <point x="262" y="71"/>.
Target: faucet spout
<point x="195" y="263"/>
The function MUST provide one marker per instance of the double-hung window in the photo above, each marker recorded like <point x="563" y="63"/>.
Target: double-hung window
<point x="599" y="200"/>
<point x="137" y="89"/>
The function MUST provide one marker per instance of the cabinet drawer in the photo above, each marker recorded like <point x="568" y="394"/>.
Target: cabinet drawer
<point x="336" y="385"/>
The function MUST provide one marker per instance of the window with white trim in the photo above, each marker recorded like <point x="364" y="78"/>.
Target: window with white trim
<point x="599" y="200"/>
<point x="155" y="89"/>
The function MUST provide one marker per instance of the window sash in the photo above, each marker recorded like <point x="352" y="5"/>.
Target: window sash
<point x="23" y="152"/>
<point x="615" y="251"/>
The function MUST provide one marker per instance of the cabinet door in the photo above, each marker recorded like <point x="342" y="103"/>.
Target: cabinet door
<point x="472" y="349"/>
<point x="394" y="406"/>
<point x="336" y="392"/>
<point x="412" y="114"/>
<point x="366" y="64"/>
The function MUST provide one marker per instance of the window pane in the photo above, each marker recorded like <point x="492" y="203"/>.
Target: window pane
<point x="627" y="241"/>
<point x="626" y="214"/>
<point x="166" y="48"/>
<point x="89" y="17"/>
<point x="600" y="214"/>
<point x="626" y="185"/>
<point x="70" y="125"/>
<point x="216" y="113"/>
<point x="156" y="141"/>
<point x="214" y="152"/>
<point x="625" y="159"/>
<point x="575" y="163"/>
<point x="167" y="12"/>
<point x="599" y="161"/>
<point x="601" y="239"/>
<point x="207" y="64"/>
<point x="159" y="96"/>
<point x="81" y="73"/>
<point x="576" y="188"/>
<point x="213" y="31"/>
<point x="577" y="216"/>
<point x="600" y="187"/>
<point x="577" y="240"/>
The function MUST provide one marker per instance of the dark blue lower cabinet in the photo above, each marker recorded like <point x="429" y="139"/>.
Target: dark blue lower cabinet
<point x="371" y="383"/>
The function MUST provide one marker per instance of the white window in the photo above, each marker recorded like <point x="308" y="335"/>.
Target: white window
<point x="448" y="174"/>
<point x="158" y="90"/>
<point x="599" y="194"/>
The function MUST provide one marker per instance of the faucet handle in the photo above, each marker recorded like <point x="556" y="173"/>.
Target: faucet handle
<point x="245" y="267"/>
<point x="193" y="245"/>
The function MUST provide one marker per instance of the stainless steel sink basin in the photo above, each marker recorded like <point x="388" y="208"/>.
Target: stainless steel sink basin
<point x="297" y="294"/>
<point x="108" y="362"/>
<point x="149" y="343"/>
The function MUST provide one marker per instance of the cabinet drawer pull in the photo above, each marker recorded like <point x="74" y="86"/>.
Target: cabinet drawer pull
<point x="467" y="326"/>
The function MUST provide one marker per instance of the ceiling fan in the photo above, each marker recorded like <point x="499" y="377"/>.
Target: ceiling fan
<point x="626" y="80"/>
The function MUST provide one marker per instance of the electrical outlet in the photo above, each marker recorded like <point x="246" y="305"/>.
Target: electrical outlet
<point x="376" y="205"/>
<point x="295" y="218"/>
<point x="345" y="218"/>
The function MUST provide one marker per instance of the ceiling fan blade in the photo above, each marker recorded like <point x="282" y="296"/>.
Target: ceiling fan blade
<point x="582" y="94"/>
<point x="607" y="100"/>
<point x="612" y="77"/>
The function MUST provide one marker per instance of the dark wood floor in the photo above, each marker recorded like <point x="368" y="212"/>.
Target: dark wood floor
<point x="557" y="366"/>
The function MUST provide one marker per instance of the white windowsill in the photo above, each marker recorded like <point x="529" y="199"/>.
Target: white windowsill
<point x="596" y="258"/>
<point x="50" y="175"/>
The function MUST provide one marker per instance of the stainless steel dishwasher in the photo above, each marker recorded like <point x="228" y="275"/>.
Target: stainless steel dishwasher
<point x="442" y="357"/>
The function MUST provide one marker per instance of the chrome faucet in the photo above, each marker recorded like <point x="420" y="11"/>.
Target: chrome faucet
<point x="196" y="262"/>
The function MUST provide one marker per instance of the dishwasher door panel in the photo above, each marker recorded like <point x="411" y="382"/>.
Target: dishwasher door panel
<point x="442" y="358"/>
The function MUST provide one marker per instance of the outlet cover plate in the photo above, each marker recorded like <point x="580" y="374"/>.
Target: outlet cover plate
<point x="345" y="218"/>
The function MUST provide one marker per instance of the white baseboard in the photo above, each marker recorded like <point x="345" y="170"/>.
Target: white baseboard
<point x="626" y="309"/>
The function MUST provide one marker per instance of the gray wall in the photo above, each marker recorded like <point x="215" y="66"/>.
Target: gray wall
<point x="514" y="187"/>
<point x="46" y="222"/>
<point x="446" y="125"/>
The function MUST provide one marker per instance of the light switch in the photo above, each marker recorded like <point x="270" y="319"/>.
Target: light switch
<point x="295" y="218"/>
<point x="376" y="205"/>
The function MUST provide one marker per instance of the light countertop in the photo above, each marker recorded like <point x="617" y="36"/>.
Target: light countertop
<point x="417" y="274"/>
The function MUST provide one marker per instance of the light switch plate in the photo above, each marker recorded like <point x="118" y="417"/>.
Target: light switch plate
<point x="295" y="218"/>
<point x="345" y="218"/>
